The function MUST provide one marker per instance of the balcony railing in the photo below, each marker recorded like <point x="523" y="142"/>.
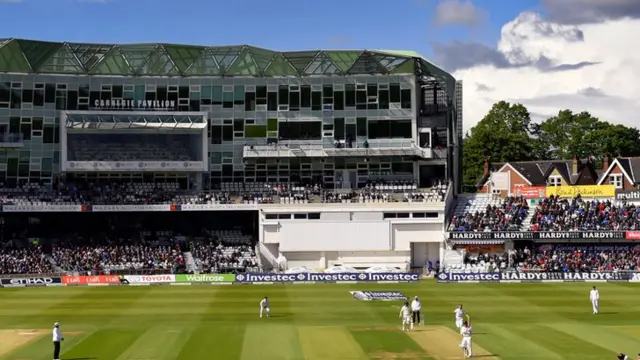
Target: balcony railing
<point x="11" y="140"/>
<point x="289" y="149"/>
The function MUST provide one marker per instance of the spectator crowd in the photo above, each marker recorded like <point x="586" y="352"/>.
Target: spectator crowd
<point x="27" y="260"/>
<point x="578" y="214"/>
<point x="507" y="216"/>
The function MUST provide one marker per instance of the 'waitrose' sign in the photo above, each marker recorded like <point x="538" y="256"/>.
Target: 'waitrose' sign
<point x="206" y="278"/>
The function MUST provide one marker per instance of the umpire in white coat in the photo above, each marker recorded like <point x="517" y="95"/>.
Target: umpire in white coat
<point x="57" y="338"/>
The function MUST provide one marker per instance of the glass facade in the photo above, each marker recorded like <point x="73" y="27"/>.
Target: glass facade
<point x="252" y="96"/>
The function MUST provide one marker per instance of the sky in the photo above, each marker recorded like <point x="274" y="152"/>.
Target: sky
<point x="546" y="54"/>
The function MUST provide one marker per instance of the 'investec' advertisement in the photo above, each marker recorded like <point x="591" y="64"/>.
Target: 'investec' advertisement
<point x="326" y="278"/>
<point x="532" y="276"/>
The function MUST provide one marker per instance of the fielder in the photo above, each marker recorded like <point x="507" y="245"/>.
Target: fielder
<point x="264" y="307"/>
<point x="459" y="314"/>
<point x="416" y="317"/>
<point x="594" y="296"/>
<point x="466" y="331"/>
<point x="405" y="315"/>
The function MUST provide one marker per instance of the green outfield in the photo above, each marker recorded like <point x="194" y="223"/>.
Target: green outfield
<point x="316" y="322"/>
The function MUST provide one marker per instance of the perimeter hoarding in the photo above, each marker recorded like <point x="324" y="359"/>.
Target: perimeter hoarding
<point x="92" y="280"/>
<point x="206" y="278"/>
<point x="31" y="281"/>
<point x="150" y="279"/>
<point x="327" y="278"/>
<point x="533" y="276"/>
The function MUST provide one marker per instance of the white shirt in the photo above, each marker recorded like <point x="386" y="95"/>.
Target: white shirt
<point x="459" y="313"/>
<point x="57" y="335"/>
<point x="416" y="305"/>
<point x="594" y="295"/>
<point x="405" y="311"/>
<point x="466" y="331"/>
<point x="264" y="303"/>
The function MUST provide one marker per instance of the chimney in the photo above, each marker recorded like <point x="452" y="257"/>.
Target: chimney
<point x="574" y="165"/>
<point x="486" y="167"/>
<point x="605" y="162"/>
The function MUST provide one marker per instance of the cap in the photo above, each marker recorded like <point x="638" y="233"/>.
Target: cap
<point x="416" y="298"/>
<point x="56" y="324"/>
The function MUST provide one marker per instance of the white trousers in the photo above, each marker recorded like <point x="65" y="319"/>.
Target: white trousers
<point x="406" y="320"/>
<point x="596" y="305"/>
<point x="265" y="309"/>
<point x="466" y="345"/>
<point x="459" y="323"/>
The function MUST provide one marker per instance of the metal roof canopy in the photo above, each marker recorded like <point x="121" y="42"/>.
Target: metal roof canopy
<point x="108" y="120"/>
<point x="170" y="60"/>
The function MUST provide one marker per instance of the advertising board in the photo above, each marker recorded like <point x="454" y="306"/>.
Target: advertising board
<point x="150" y="279"/>
<point x="91" y="280"/>
<point x="542" y="235"/>
<point x="31" y="281"/>
<point x="326" y="278"/>
<point x="206" y="278"/>
<point x="533" y="276"/>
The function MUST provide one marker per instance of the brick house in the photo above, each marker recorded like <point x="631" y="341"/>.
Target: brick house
<point x="504" y="178"/>
<point x="621" y="174"/>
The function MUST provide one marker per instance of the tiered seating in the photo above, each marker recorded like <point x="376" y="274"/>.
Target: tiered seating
<point x="483" y="213"/>
<point x="36" y="194"/>
<point x="29" y="260"/>
<point x="556" y="214"/>
<point x="225" y="251"/>
<point x="135" y="193"/>
<point x="204" y="199"/>
<point x="127" y="147"/>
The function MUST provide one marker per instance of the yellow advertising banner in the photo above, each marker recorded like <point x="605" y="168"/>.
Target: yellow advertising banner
<point x="591" y="191"/>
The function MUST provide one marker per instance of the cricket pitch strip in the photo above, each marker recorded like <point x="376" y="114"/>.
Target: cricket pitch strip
<point x="442" y="343"/>
<point x="12" y="339"/>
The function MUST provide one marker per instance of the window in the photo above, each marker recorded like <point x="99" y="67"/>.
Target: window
<point x="616" y="180"/>
<point x="555" y="180"/>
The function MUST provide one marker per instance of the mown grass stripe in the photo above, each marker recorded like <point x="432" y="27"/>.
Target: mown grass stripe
<point x="271" y="342"/>
<point x="328" y="342"/>
<point x="105" y="344"/>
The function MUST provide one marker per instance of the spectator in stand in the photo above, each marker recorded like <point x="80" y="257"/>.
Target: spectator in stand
<point x="588" y="260"/>
<point x="29" y="260"/>
<point x="506" y="217"/>
<point x="578" y="214"/>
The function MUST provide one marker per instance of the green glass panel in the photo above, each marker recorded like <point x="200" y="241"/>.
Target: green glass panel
<point x="407" y="67"/>
<point x="261" y="57"/>
<point x="11" y="59"/>
<point x="183" y="56"/>
<point x="255" y="131"/>
<point x="38" y="52"/>
<point x="367" y="64"/>
<point x="344" y="59"/>
<point x="159" y="63"/>
<point x="89" y="54"/>
<point x="280" y="66"/>
<point x="204" y="65"/>
<point x="390" y="62"/>
<point x="63" y="61"/>
<point x="272" y="124"/>
<point x="137" y="55"/>
<point x="225" y="56"/>
<point x="322" y="65"/>
<point x="113" y="63"/>
<point x="300" y="59"/>
<point x="243" y="65"/>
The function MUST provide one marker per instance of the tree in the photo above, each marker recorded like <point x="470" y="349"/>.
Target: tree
<point x="504" y="134"/>
<point x="567" y="135"/>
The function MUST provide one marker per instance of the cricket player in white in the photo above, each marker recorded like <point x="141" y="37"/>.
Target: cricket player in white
<point x="264" y="307"/>
<point x="405" y="315"/>
<point x="466" y="331"/>
<point x="594" y="296"/>
<point x="459" y="314"/>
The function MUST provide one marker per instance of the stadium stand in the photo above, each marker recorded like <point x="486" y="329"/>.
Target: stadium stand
<point x="27" y="260"/>
<point x="577" y="214"/>
<point x="225" y="252"/>
<point x="126" y="147"/>
<point x="488" y="213"/>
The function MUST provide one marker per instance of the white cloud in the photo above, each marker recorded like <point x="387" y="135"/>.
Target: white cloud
<point x="607" y="87"/>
